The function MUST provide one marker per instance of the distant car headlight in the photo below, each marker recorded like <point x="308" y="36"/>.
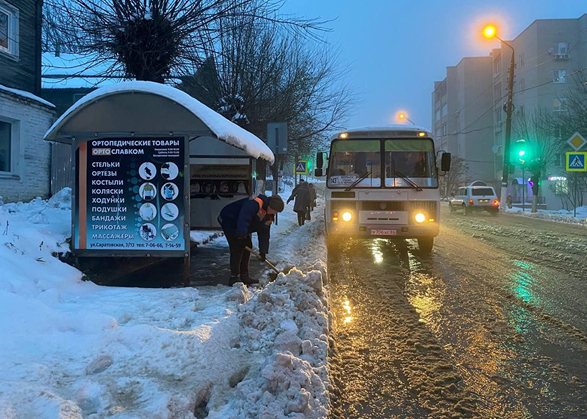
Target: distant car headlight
<point x="347" y="216"/>
<point x="420" y="218"/>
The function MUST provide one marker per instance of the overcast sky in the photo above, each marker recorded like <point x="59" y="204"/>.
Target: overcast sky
<point x="396" y="49"/>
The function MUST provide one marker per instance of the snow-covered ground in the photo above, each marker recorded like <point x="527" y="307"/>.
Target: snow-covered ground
<point x="562" y="216"/>
<point x="72" y="349"/>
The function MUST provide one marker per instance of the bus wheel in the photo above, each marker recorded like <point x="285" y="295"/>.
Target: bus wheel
<point x="425" y="244"/>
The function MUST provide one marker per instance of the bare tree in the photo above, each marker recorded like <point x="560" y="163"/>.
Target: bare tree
<point x="155" y="40"/>
<point x="562" y="125"/>
<point x="456" y="177"/>
<point x="262" y="74"/>
<point x="540" y="144"/>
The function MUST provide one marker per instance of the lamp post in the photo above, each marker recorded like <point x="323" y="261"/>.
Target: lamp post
<point x="491" y="32"/>
<point x="403" y="116"/>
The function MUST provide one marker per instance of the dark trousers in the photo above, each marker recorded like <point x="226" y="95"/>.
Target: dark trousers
<point x="301" y="217"/>
<point x="239" y="257"/>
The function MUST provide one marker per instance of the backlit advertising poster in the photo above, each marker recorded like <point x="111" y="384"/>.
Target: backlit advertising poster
<point x="130" y="196"/>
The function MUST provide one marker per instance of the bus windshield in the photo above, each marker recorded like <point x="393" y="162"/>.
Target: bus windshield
<point x="412" y="159"/>
<point x="406" y="163"/>
<point x="352" y="159"/>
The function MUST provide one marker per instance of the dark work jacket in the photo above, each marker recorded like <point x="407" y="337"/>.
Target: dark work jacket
<point x="246" y="216"/>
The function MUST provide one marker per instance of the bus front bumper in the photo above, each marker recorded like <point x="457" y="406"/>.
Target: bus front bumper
<point x="383" y="230"/>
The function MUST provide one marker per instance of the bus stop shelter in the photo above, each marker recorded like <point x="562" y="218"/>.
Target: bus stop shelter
<point x="134" y="146"/>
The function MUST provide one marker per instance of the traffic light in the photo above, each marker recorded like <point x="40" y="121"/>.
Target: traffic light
<point x="521" y="152"/>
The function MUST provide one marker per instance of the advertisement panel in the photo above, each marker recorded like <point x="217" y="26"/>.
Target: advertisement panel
<point x="130" y="197"/>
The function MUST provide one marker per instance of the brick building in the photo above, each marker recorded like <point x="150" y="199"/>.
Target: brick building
<point x="24" y="116"/>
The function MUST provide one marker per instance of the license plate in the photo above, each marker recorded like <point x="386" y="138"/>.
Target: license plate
<point x="383" y="232"/>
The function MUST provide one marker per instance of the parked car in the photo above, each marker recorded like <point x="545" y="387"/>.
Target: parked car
<point x="475" y="198"/>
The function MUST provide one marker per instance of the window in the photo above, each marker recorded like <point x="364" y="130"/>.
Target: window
<point x="559" y="160"/>
<point x="497" y="92"/>
<point x="522" y="85"/>
<point x="5" y="146"/>
<point x="522" y="61"/>
<point x="483" y="192"/>
<point x="352" y="159"/>
<point x="497" y="66"/>
<point x="522" y="111"/>
<point x="560" y="104"/>
<point x="413" y="159"/>
<point x="559" y="76"/>
<point x="563" y="48"/>
<point x="78" y="96"/>
<point x="8" y="29"/>
<point x="445" y="110"/>
<point x="444" y="129"/>
<point x="437" y="114"/>
<point x="497" y="112"/>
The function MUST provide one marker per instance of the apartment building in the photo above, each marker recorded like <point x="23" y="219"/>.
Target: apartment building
<point x="468" y="112"/>
<point x="548" y="53"/>
<point x="461" y="121"/>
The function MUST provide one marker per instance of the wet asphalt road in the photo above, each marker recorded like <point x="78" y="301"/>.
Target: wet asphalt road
<point x="493" y="324"/>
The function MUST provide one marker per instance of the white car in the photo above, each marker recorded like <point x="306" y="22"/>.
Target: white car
<point x="475" y="198"/>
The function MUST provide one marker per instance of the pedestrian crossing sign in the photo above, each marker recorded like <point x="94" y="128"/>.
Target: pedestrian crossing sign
<point x="301" y="167"/>
<point x="576" y="161"/>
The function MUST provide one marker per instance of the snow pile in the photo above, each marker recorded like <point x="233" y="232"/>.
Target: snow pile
<point x="204" y="237"/>
<point x="73" y="349"/>
<point x="561" y="216"/>
<point x="287" y="324"/>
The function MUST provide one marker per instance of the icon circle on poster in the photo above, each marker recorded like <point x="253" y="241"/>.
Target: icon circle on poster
<point x="148" y="191"/>
<point x="148" y="211"/>
<point x="147" y="171"/>
<point x="169" y="191"/>
<point x="169" y="170"/>
<point x="169" y="232"/>
<point x="169" y="211"/>
<point x="148" y="232"/>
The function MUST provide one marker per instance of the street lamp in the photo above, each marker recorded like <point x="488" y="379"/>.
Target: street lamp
<point x="403" y="116"/>
<point x="490" y="31"/>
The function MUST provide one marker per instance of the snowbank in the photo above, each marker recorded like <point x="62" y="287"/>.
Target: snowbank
<point x="73" y="349"/>
<point x="560" y="216"/>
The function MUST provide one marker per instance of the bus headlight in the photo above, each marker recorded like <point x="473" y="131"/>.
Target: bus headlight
<point x="347" y="216"/>
<point x="420" y="218"/>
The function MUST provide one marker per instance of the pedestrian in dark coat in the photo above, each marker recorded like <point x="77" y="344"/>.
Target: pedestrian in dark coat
<point x="238" y="220"/>
<point x="301" y="193"/>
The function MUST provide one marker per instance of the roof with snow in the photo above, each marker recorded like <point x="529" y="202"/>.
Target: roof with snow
<point x="75" y="71"/>
<point x="148" y="108"/>
<point x="25" y="95"/>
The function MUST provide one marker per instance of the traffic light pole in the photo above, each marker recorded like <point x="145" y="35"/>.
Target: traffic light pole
<point x="508" y="129"/>
<point x="524" y="189"/>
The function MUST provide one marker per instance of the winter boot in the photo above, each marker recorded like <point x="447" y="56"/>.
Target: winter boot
<point x="233" y="280"/>
<point x="247" y="280"/>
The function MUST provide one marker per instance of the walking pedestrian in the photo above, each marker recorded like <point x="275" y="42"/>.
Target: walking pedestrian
<point x="238" y="220"/>
<point x="301" y="193"/>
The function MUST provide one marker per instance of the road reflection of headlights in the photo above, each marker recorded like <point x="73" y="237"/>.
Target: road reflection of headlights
<point x="347" y="216"/>
<point x="420" y="218"/>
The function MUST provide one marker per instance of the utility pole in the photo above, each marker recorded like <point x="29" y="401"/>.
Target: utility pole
<point x="508" y="130"/>
<point x="491" y="32"/>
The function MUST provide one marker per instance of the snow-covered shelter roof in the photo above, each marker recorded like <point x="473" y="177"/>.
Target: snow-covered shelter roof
<point x="148" y="108"/>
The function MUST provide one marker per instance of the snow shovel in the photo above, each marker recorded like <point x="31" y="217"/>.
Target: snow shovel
<point x="272" y="276"/>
